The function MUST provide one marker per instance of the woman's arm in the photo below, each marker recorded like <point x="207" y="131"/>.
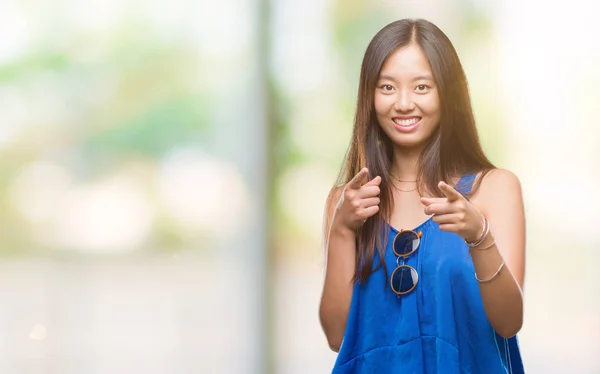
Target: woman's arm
<point x="340" y="263"/>
<point x="500" y="200"/>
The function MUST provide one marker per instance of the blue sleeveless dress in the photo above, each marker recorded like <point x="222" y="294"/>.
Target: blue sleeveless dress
<point x="440" y="327"/>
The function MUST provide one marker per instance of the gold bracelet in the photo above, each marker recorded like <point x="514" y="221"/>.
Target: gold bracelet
<point x="488" y="247"/>
<point x="484" y="233"/>
<point x="493" y="276"/>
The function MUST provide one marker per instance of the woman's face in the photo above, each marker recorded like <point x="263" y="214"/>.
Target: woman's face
<point x="406" y="99"/>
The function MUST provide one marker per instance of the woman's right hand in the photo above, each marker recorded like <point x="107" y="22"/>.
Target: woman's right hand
<point x="358" y="202"/>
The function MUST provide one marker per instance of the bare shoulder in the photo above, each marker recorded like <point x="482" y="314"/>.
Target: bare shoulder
<point x="331" y="203"/>
<point x="333" y="197"/>
<point x="500" y="179"/>
<point x="499" y="186"/>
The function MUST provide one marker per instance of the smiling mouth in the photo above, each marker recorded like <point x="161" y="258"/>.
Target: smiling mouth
<point x="406" y="122"/>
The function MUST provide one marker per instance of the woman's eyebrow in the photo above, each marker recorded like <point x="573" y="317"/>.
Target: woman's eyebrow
<point x="387" y="78"/>
<point x="426" y="77"/>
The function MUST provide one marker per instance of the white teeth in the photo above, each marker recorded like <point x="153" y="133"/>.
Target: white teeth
<point x="406" y="122"/>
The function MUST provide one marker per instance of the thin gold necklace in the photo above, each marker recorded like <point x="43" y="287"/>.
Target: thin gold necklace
<point x="400" y="180"/>
<point x="401" y="190"/>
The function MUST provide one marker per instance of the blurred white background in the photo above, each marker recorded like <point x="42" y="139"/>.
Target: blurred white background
<point x="164" y="165"/>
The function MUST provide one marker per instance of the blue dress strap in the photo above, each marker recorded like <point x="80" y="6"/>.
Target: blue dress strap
<point x="465" y="184"/>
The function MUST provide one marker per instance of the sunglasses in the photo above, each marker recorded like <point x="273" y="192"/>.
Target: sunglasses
<point x="404" y="279"/>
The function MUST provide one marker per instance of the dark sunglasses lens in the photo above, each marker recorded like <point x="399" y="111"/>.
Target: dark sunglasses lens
<point x="404" y="279"/>
<point x="405" y="243"/>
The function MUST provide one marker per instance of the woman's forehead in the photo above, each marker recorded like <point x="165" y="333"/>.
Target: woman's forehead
<point x="406" y="63"/>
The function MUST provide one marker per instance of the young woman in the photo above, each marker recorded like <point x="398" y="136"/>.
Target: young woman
<point x="424" y="237"/>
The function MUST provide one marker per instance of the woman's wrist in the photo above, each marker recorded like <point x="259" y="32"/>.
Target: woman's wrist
<point x="339" y="229"/>
<point x="487" y="243"/>
<point x="481" y="233"/>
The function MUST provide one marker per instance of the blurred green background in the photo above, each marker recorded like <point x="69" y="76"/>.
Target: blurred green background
<point x="164" y="165"/>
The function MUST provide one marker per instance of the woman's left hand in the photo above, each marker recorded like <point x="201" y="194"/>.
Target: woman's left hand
<point x="454" y="213"/>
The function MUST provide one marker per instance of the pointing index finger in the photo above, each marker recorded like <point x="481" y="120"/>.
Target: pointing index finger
<point x="355" y="182"/>
<point x="450" y="192"/>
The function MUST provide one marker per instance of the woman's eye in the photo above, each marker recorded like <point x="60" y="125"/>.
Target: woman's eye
<point x="422" y="88"/>
<point x="386" y="87"/>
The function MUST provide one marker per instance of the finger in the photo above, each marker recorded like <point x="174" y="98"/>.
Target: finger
<point x="356" y="182"/>
<point x="433" y="200"/>
<point x="450" y="192"/>
<point x="370" y="211"/>
<point x="370" y="202"/>
<point x="368" y="191"/>
<point x="374" y="182"/>
<point x="451" y="218"/>
<point x="448" y="227"/>
<point x="439" y="208"/>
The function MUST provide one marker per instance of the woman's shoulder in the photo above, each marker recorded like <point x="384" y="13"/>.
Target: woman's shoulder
<point x="497" y="179"/>
<point x="331" y="202"/>
<point x="497" y="185"/>
<point x="334" y="195"/>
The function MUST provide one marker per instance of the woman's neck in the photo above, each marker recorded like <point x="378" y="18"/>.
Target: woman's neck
<point x="404" y="165"/>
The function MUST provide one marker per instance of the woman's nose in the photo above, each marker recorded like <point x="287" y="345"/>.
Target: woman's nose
<point x="404" y="102"/>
